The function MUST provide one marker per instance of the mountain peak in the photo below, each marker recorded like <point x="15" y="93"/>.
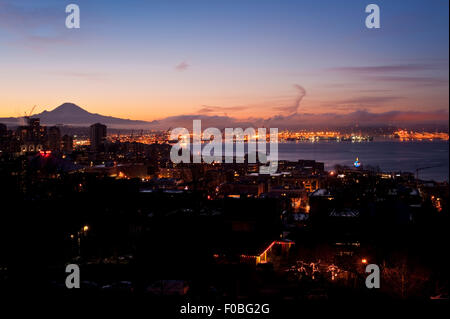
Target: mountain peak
<point x="69" y="108"/>
<point x="71" y="114"/>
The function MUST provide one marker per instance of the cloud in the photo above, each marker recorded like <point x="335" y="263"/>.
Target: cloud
<point x="375" y="91"/>
<point x="293" y="109"/>
<point x="183" y="66"/>
<point x="384" y="68"/>
<point x="368" y="100"/>
<point x="80" y="75"/>
<point x="22" y="20"/>
<point x="417" y="80"/>
<point x="207" y="121"/>
<point x="34" y="27"/>
<point x="397" y="73"/>
<point x="363" y="118"/>
<point x="212" y="109"/>
<point x="267" y="107"/>
<point x="19" y="19"/>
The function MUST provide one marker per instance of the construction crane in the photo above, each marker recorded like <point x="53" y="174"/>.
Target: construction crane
<point x="27" y="116"/>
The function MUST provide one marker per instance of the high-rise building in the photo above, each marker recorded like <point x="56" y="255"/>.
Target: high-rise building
<point x="97" y="136"/>
<point x="3" y="130"/>
<point x="32" y="137"/>
<point x="3" y="137"/>
<point x="54" y="138"/>
<point x="37" y="132"/>
<point x="67" y="143"/>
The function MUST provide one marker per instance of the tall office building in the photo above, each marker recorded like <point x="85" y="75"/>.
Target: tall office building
<point x="97" y="136"/>
<point x="32" y="137"/>
<point x="67" y="143"/>
<point x="54" y="138"/>
<point x="3" y="138"/>
<point x="3" y="130"/>
<point x="36" y="132"/>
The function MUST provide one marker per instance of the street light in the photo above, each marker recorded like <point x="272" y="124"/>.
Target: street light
<point x="364" y="261"/>
<point x="80" y="233"/>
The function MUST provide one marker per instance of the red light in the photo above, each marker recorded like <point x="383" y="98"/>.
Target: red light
<point x="364" y="261"/>
<point x="45" y="153"/>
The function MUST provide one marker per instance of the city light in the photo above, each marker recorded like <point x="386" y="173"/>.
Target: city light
<point x="404" y="135"/>
<point x="215" y="154"/>
<point x="45" y="154"/>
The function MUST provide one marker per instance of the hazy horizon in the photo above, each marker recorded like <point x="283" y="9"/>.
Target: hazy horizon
<point x="73" y="115"/>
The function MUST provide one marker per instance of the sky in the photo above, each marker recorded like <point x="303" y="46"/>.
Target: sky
<point x="246" y="59"/>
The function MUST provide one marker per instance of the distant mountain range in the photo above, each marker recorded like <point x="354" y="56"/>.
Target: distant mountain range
<point x="72" y="114"/>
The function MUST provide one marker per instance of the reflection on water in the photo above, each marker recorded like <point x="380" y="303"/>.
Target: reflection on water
<point x="389" y="155"/>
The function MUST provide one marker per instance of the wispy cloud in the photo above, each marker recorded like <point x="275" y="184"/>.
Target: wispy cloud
<point x="415" y="80"/>
<point x="293" y="109"/>
<point x="80" y="75"/>
<point x="212" y="109"/>
<point x="403" y="74"/>
<point x="183" y="66"/>
<point x="361" y="103"/>
<point x="384" y="68"/>
<point x="369" y="100"/>
<point x="33" y="27"/>
<point x="266" y="107"/>
<point x="19" y="19"/>
<point x="408" y="119"/>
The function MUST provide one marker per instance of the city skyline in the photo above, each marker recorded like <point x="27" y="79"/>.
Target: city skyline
<point x="227" y="158"/>
<point x="287" y="62"/>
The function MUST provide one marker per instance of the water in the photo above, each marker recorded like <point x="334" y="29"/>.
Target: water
<point x="389" y="155"/>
